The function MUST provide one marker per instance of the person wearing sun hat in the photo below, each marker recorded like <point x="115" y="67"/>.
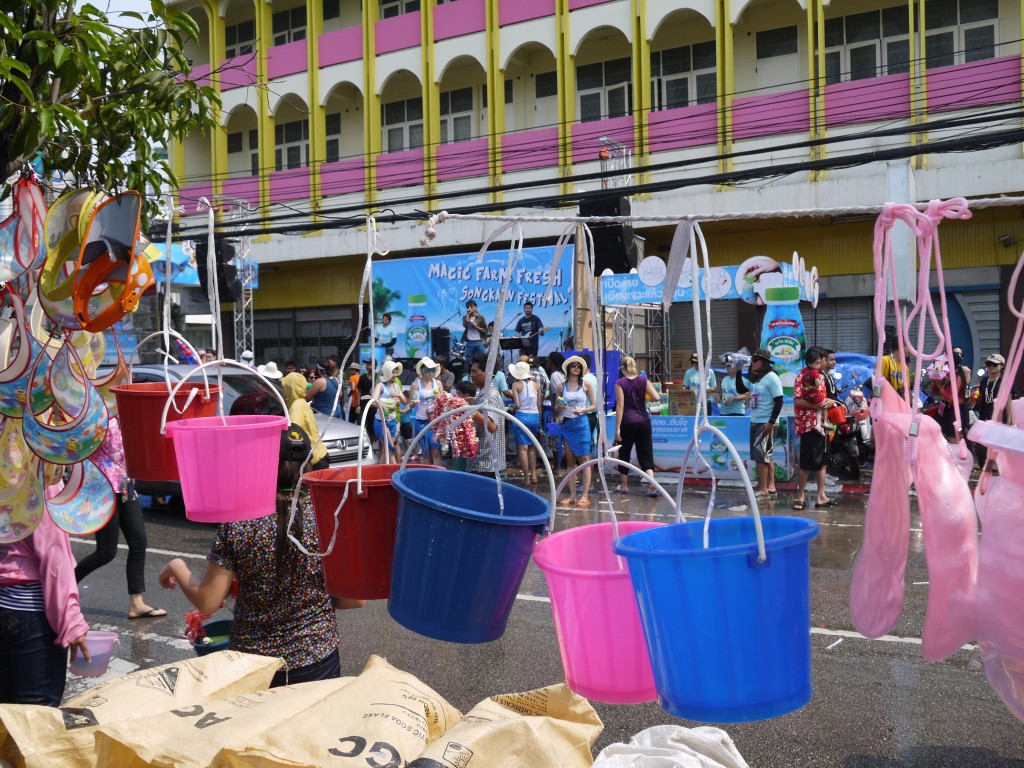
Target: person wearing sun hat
<point x="988" y="390"/>
<point x="526" y="399"/>
<point x="578" y="399"/>
<point x="270" y="371"/>
<point x="424" y="390"/>
<point x="389" y="392"/>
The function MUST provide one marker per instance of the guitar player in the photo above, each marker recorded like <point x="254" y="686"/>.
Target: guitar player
<point x="529" y="328"/>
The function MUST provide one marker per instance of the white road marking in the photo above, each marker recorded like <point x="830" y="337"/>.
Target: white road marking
<point x="149" y="550"/>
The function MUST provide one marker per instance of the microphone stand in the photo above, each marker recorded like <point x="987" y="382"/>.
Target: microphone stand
<point x="442" y="325"/>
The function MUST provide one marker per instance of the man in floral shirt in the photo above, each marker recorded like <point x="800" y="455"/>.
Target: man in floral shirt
<point x="810" y="401"/>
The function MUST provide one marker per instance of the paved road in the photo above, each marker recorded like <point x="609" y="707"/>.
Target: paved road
<point x="877" y="703"/>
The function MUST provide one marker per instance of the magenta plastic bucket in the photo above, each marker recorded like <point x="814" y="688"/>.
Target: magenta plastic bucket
<point x="228" y="466"/>
<point x="597" y="621"/>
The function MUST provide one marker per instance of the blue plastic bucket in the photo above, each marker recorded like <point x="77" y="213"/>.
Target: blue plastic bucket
<point x="458" y="563"/>
<point x="217" y="628"/>
<point x="729" y="638"/>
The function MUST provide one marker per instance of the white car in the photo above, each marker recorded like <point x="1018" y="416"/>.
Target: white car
<point x="341" y="437"/>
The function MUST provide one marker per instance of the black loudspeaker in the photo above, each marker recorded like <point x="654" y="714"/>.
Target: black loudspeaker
<point x="615" y="247"/>
<point x="229" y="282"/>
<point x="441" y="342"/>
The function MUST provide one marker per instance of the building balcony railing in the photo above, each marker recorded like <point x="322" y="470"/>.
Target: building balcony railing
<point x="575" y="5"/>
<point x="238" y="72"/>
<point x="975" y="84"/>
<point x="342" y="177"/>
<point x="289" y="184"/>
<point x="246" y="188"/>
<point x="462" y="159"/>
<point x="515" y="11"/>
<point x="190" y="195"/>
<point x="771" y="114"/>
<point x="862" y="101"/>
<point x="201" y="74"/>
<point x="287" y="59"/>
<point x="463" y="17"/>
<point x="341" y="46"/>
<point x="524" y="150"/>
<point x="400" y="169"/>
<point x="683" y="127"/>
<point x="398" y="32"/>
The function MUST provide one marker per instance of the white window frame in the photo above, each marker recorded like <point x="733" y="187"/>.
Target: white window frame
<point x="294" y="31"/>
<point x="390" y="9"/>
<point x="959" y="31"/>
<point x="408" y="127"/>
<point x="239" y="47"/>
<point x="661" y="82"/>
<point x="454" y="123"/>
<point x="605" y="93"/>
<point x="282" y="146"/>
<point x="332" y="137"/>
<point x="250" y="136"/>
<point x="881" y="45"/>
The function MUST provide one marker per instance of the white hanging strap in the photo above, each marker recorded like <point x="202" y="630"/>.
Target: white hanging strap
<point x="676" y="260"/>
<point x="1016" y="351"/>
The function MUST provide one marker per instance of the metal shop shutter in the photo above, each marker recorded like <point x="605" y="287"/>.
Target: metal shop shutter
<point x="725" y="331"/>
<point x="982" y="310"/>
<point x="843" y="325"/>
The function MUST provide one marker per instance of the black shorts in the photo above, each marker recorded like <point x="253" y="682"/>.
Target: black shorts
<point x="761" y="445"/>
<point x="405" y="430"/>
<point x="813" y="450"/>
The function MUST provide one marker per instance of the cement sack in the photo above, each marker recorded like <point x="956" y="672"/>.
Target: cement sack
<point x="546" y="728"/>
<point x="44" y="737"/>
<point x="383" y="717"/>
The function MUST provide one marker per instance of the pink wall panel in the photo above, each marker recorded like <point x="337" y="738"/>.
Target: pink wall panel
<point x="289" y="184"/>
<point x="529" y="149"/>
<point x="861" y="101"/>
<point x="769" y="115"/>
<point x="341" y="46"/>
<point x="189" y="196"/>
<point x="586" y="142"/>
<point x="462" y="159"/>
<point x="238" y="72"/>
<point x="574" y="4"/>
<point x="462" y="17"/>
<point x="683" y="127"/>
<point x="246" y="188"/>
<point x="400" y="169"/>
<point x="398" y="32"/>
<point x="342" y="176"/>
<point x="515" y="11"/>
<point x="284" y="60"/>
<point x="979" y="83"/>
<point x="201" y="74"/>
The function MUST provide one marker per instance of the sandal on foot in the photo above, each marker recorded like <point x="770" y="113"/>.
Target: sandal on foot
<point x="798" y="505"/>
<point x="830" y="504"/>
<point x="583" y="503"/>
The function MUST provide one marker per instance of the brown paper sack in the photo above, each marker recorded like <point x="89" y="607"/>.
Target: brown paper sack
<point x="384" y="716"/>
<point x="547" y="728"/>
<point x="44" y="737"/>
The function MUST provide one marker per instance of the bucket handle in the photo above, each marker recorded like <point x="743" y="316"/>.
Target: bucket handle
<point x="167" y="377"/>
<point x="469" y="409"/>
<point x="232" y="363"/>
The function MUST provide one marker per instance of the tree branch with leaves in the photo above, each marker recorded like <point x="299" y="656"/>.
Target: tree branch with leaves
<point x="94" y="99"/>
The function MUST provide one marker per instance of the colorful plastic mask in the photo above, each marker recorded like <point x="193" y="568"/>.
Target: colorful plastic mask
<point x="85" y="503"/>
<point x="21" y="508"/>
<point x="21" y="233"/>
<point x="26" y="371"/>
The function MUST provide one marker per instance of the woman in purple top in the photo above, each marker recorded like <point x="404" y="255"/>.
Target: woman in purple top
<point x="632" y="422"/>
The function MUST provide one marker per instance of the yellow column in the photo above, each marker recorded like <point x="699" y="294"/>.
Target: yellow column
<point x="264" y="36"/>
<point x="918" y="82"/>
<point x="371" y="100"/>
<point x="218" y="136"/>
<point x="431" y="104"/>
<point x="317" y="124"/>
<point x="566" y="73"/>
<point x="641" y="93"/>
<point x="495" y="99"/>
<point x="816" y="78"/>
<point x="726" y="82"/>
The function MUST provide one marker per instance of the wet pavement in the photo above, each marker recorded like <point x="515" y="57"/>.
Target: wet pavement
<point x="876" y="704"/>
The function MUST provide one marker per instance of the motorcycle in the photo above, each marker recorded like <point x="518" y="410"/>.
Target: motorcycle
<point x="852" y="444"/>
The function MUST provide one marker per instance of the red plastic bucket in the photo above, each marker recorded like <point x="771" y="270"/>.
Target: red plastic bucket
<point x="228" y="466"/>
<point x="359" y="566"/>
<point x="148" y="454"/>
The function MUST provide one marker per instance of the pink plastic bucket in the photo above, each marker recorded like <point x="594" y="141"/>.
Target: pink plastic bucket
<point x="596" y="617"/>
<point x="101" y="648"/>
<point x="228" y="466"/>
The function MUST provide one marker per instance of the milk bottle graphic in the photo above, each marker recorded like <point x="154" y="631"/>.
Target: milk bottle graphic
<point x="783" y="333"/>
<point x="417" y="330"/>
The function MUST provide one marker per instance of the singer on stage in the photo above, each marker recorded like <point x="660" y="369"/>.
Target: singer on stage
<point x="529" y="329"/>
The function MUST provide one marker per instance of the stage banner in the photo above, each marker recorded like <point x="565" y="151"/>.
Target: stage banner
<point x="671" y="434"/>
<point x="748" y="281"/>
<point x="426" y="293"/>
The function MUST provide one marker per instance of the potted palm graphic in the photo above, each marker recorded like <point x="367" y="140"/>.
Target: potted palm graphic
<point x="383" y="298"/>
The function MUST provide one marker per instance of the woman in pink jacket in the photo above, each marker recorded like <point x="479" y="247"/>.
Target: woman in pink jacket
<point x="40" y="617"/>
